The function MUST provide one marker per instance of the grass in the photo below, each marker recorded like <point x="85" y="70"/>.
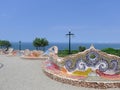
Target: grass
<point x="63" y="53"/>
<point x="112" y="51"/>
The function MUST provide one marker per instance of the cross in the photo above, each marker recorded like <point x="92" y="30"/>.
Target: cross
<point x="69" y="34"/>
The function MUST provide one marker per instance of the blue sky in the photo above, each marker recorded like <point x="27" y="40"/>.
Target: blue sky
<point x="90" y="20"/>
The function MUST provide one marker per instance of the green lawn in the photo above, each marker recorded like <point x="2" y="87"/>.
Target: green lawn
<point x="63" y="53"/>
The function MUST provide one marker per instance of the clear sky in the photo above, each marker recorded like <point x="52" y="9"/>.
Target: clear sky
<point x="90" y="20"/>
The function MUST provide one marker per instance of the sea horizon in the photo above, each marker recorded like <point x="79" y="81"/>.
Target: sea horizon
<point x="64" y="45"/>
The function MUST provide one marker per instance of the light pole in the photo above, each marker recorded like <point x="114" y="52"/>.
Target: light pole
<point x="69" y="34"/>
<point x="19" y="45"/>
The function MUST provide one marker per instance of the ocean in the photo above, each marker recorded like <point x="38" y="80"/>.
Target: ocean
<point x="62" y="46"/>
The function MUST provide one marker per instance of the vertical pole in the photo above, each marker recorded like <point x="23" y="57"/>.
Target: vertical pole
<point x="69" y="43"/>
<point x="19" y="45"/>
<point x="69" y="34"/>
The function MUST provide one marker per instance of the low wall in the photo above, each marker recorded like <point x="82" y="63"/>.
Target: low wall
<point x="82" y="83"/>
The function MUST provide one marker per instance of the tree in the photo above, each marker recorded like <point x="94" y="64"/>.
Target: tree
<point x="40" y="43"/>
<point x="37" y="43"/>
<point x="81" y="48"/>
<point x="5" y="44"/>
<point x="1" y="44"/>
<point x="44" y="42"/>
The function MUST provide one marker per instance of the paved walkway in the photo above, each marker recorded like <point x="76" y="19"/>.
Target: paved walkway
<point x="22" y="74"/>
